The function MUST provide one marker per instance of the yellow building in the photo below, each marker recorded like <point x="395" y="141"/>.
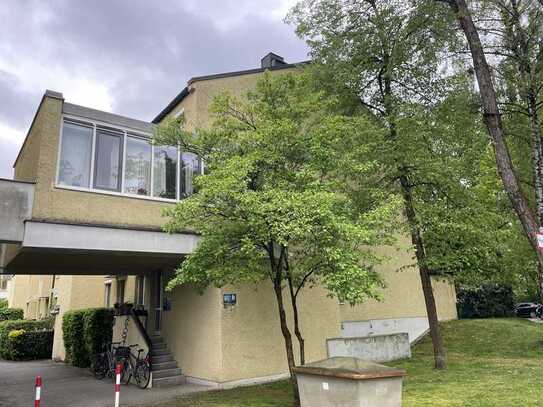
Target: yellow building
<point x="84" y="225"/>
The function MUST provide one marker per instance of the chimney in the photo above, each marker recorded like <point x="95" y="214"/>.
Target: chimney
<point x="272" y="60"/>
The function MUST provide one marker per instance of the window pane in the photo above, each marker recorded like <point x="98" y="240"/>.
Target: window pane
<point x="108" y="161"/>
<point x="75" y="155"/>
<point x="137" y="177"/>
<point x="190" y="168"/>
<point x="165" y="172"/>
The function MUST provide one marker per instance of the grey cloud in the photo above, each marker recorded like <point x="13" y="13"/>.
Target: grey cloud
<point x="143" y="51"/>
<point x="17" y="104"/>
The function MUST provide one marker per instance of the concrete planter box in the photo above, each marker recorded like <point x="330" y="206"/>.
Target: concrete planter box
<point x="349" y="382"/>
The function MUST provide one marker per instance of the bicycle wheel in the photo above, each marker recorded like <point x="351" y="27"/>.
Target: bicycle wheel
<point x="99" y="366"/>
<point x="142" y="373"/>
<point x="126" y="371"/>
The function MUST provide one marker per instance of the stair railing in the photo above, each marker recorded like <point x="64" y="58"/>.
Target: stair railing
<point x="144" y="335"/>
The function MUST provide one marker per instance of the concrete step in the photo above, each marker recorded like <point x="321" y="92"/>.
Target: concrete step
<point x="159" y="374"/>
<point x="156" y="339"/>
<point x="159" y="352"/>
<point x="169" y="381"/>
<point x="164" y="365"/>
<point x="159" y="345"/>
<point x="163" y="358"/>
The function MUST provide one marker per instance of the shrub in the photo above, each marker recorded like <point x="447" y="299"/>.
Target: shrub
<point x="29" y="345"/>
<point x="486" y="301"/>
<point x="85" y="332"/>
<point x="3" y="303"/>
<point x="9" y="314"/>
<point x="29" y="326"/>
<point x="72" y="328"/>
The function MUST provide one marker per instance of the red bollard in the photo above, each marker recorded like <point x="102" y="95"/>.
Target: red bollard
<point x="38" y="392"/>
<point x="117" y="384"/>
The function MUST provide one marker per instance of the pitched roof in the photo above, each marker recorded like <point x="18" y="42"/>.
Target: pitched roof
<point x="106" y="117"/>
<point x="185" y="92"/>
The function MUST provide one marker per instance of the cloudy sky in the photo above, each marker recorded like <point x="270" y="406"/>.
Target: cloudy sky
<point x="129" y="57"/>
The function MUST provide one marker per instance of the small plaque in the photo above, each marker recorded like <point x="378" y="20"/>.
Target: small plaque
<point x="229" y="299"/>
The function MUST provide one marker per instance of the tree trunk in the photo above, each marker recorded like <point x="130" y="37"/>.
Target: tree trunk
<point x="286" y="333"/>
<point x="493" y="121"/>
<point x="294" y="300"/>
<point x="440" y="361"/>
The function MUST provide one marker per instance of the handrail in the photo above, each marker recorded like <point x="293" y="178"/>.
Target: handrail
<point x="144" y="335"/>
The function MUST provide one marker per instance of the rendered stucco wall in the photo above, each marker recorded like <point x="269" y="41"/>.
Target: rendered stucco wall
<point x="252" y="342"/>
<point x="402" y="296"/>
<point x="75" y="292"/>
<point x="192" y="330"/>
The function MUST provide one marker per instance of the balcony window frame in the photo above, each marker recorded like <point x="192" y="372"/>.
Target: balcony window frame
<point x="124" y="132"/>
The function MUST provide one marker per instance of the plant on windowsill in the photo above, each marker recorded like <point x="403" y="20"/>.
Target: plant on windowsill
<point x="123" y="309"/>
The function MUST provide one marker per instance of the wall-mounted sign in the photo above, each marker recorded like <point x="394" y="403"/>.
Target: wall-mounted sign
<point x="229" y="299"/>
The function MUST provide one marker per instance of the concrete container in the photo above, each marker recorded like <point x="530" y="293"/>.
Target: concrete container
<point x="349" y="382"/>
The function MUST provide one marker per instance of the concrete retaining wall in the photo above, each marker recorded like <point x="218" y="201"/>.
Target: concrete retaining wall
<point x="414" y="327"/>
<point x="378" y="348"/>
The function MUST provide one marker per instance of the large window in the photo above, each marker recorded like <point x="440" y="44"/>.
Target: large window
<point x="107" y="168"/>
<point x="165" y="172"/>
<point x="137" y="175"/>
<point x="98" y="158"/>
<point x="190" y="168"/>
<point x="75" y="155"/>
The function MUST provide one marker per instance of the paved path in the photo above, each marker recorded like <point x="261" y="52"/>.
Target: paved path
<point x="67" y="386"/>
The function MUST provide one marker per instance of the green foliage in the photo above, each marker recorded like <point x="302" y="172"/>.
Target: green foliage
<point x="27" y="325"/>
<point x="85" y="331"/>
<point x="492" y="363"/>
<point x="487" y="301"/>
<point x="7" y="314"/>
<point x="278" y="164"/>
<point x="97" y="328"/>
<point x="3" y="303"/>
<point x="29" y="345"/>
<point x="436" y="136"/>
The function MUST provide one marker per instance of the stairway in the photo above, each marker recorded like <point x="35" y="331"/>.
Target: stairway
<point x="165" y="369"/>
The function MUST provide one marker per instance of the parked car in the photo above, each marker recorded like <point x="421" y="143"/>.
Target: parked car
<point x="528" y="310"/>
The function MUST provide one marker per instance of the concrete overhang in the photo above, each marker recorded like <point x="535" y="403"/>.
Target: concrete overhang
<point x="61" y="248"/>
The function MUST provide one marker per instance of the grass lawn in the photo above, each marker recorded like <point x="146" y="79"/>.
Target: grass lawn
<point x="494" y="362"/>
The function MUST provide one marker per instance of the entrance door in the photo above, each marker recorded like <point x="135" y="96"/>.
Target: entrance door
<point x="159" y="292"/>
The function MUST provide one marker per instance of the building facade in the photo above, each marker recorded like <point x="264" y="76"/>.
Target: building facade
<point x="84" y="230"/>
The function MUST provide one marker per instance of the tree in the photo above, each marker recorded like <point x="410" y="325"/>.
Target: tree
<point x="387" y="55"/>
<point x="270" y="206"/>
<point x="492" y="117"/>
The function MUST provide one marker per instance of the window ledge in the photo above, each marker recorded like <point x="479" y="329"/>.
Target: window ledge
<point x="113" y="193"/>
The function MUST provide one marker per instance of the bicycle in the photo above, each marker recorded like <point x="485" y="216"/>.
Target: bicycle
<point x="137" y="367"/>
<point x="104" y="362"/>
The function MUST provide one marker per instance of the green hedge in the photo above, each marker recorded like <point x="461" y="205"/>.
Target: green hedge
<point x="3" y="303"/>
<point x="29" y="326"/>
<point x="487" y="301"/>
<point x="9" y="314"/>
<point x="29" y="345"/>
<point x="85" y="332"/>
